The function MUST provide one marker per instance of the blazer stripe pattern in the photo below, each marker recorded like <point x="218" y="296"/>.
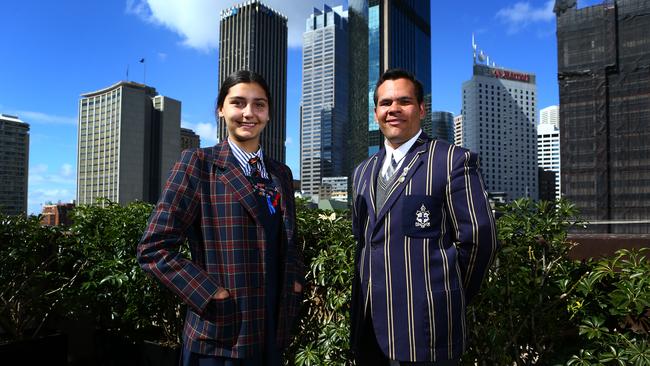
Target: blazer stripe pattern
<point x="423" y="256"/>
<point x="208" y="201"/>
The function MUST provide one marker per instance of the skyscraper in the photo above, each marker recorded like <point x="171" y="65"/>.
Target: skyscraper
<point x="442" y="126"/>
<point x="358" y="112"/>
<point x="550" y="115"/>
<point x="548" y="151"/>
<point x="499" y="123"/>
<point x="14" y="165"/>
<point x="398" y="34"/>
<point x="254" y="37"/>
<point x="324" y="98"/>
<point x="603" y="58"/>
<point x="129" y="138"/>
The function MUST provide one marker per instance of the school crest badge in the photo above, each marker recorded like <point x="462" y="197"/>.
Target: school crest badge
<point x="422" y="217"/>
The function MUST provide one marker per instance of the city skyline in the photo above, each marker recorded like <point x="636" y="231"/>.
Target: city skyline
<point x="59" y="51"/>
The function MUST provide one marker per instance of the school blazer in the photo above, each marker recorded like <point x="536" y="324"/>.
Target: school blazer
<point x="208" y="201"/>
<point x="422" y="258"/>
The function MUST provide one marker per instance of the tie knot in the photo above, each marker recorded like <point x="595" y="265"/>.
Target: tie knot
<point x="255" y="170"/>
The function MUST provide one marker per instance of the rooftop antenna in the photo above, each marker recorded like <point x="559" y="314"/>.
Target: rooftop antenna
<point x="473" y="49"/>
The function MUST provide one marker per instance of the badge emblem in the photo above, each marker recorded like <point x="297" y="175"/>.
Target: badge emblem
<point x="422" y="219"/>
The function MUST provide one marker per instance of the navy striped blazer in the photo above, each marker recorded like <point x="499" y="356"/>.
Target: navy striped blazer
<point x="423" y="256"/>
<point x="208" y="201"/>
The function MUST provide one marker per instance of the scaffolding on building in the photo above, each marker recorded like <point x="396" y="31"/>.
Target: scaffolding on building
<point x="604" y="80"/>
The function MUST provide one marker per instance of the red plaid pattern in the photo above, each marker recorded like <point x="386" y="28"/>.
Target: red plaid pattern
<point x="208" y="201"/>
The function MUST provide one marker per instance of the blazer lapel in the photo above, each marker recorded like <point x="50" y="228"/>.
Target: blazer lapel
<point x="234" y="177"/>
<point x="370" y="180"/>
<point x="411" y="163"/>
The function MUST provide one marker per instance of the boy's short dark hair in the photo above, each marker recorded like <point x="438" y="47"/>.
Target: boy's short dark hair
<point x="394" y="74"/>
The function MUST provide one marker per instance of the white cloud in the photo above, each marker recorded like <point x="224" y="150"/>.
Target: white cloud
<point x="197" y="21"/>
<point x="66" y="170"/>
<point x="38" y="169"/>
<point x="162" y="56"/>
<point x="207" y="131"/>
<point x="47" y="187"/>
<point x="522" y="14"/>
<point x="49" y="179"/>
<point x="288" y="141"/>
<point x="38" y="197"/>
<point x="39" y="117"/>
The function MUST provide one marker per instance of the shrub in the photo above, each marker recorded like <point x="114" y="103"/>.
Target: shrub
<point x="519" y="316"/>
<point x="611" y="304"/>
<point x="32" y="273"/>
<point x="114" y="289"/>
<point x="324" y="325"/>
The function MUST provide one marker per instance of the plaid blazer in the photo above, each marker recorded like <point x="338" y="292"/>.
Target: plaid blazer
<point x="208" y="201"/>
<point x="423" y="256"/>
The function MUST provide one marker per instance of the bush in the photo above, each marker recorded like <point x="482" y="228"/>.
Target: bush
<point x="611" y="304"/>
<point x="113" y="289"/>
<point x="33" y="274"/>
<point x="535" y="307"/>
<point x="519" y="316"/>
<point x="324" y="325"/>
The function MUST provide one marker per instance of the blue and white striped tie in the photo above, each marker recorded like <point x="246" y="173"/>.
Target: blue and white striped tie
<point x="392" y="167"/>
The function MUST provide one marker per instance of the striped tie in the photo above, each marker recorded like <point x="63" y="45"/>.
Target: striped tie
<point x="255" y="170"/>
<point x="392" y="167"/>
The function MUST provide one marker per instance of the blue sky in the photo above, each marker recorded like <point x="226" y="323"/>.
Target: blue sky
<point x="51" y="52"/>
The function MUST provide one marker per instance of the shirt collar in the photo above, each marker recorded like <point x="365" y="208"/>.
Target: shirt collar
<point x="243" y="157"/>
<point x="403" y="149"/>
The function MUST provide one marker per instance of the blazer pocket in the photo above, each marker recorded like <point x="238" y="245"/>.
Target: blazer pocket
<point x="421" y="216"/>
<point x="223" y="321"/>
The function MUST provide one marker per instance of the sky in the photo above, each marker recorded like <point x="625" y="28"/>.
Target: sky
<point x="51" y="52"/>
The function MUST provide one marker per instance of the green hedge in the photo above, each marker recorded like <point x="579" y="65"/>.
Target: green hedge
<point x="536" y="306"/>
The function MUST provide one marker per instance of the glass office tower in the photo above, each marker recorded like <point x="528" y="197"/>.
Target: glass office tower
<point x="398" y="35"/>
<point x="324" y="114"/>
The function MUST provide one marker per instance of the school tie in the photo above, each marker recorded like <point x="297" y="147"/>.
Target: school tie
<point x="254" y="163"/>
<point x="392" y="167"/>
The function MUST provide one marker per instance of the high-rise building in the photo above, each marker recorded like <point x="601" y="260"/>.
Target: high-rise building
<point x="443" y="126"/>
<point x="358" y="111"/>
<point x="399" y="35"/>
<point x="499" y="123"/>
<point x="254" y="37"/>
<point x="546" y="180"/>
<point x="14" y="165"/>
<point x="458" y="130"/>
<point x="550" y="115"/>
<point x="603" y="58"/>
<point x="386" y="34"/>
<point x="189" y="139"/>
<point x="128" y="141"/>
<point x="548" y="152"/>
<point x="324" y="98"/>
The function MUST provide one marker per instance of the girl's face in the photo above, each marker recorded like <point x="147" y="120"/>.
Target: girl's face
<point x="246" y="112"/>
